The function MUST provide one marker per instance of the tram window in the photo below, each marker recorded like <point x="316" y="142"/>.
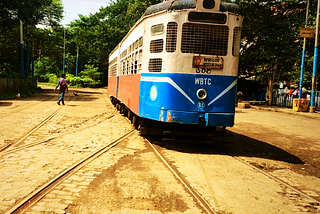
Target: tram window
<point x="140" y="41"/>
<point x="155" y="65"/>
<point x="218" y="18"/>
<point x="113" y="70"/>
<point x="156" y="29"/>
<point x="135" y="66"/>
<point x="124" y="67"/>
<point x="171" y="40"/>
<point x="204" y="39"/>
<point x="136" y="44"/>
<point x="140" y="61"/>
<point x="236" y="41"/>
<point x="156" y="46"/>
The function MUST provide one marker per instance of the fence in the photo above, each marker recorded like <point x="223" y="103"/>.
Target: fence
<point x="288" y="101"/>
<point x="12" y="85"/>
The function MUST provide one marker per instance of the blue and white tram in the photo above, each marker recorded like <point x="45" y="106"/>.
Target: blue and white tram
<point x="187" y="65"/>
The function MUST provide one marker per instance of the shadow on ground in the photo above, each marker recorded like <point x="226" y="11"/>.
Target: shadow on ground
<point x="237" y="145"/>
<point x="4" y="103"/>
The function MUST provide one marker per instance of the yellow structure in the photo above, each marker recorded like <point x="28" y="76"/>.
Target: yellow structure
<point x="300" y="104"/>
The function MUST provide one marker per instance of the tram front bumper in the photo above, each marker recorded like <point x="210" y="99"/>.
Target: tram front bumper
<point x="197" y="118"/>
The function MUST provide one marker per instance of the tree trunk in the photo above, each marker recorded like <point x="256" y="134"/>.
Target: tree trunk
<point x="271" y="80"/>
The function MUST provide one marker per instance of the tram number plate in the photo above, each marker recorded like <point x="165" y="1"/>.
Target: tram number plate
<point x="207" y="62"/>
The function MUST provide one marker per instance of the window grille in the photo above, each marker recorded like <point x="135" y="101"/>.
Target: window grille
<point x="156" y="46"/>
<point x="236" y="41"/>
<point x="113" y="70"/>
<point x="127" y="64"/>
<point x="171" y="40"/>
<point x="123" y="54"/>
<point x="155" y="65"/>
<point x="140" y="61"/>
<point x="124" y="67"/>
<point x="204" y="39"/>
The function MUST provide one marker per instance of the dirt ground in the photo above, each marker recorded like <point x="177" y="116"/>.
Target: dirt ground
<point x="132" y="179"/>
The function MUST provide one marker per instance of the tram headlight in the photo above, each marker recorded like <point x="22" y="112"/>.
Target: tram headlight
<point x="208" y="4"/>
<point x="202" y="94"/>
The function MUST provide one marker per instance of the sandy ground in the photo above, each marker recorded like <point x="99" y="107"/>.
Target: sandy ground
<point x="131" y="179"/>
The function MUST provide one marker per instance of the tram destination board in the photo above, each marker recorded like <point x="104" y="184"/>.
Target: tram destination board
<point x="212" y="62"/>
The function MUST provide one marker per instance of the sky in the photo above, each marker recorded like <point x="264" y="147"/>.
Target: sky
<point x="74" y="7"/>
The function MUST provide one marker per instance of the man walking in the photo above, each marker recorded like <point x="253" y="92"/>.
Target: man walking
<point x="63" y="86"/>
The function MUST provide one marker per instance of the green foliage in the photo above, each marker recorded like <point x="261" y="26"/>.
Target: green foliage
<point x="90" y="77"/>
<point x="44" y="68"/>
<point x="273" y="27"/>
<point x="5" y="70"/>
<point x="30" y="12"/>
<point x="53" y="78"/>
<point x="90" y="72"/>
<point x="43" y="42"/>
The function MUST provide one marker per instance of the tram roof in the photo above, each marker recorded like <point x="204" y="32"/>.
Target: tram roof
<point x="188" y="4"/>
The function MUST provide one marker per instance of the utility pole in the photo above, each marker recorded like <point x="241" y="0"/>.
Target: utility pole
<point x="27" y="63"/>
<point x="21" y="49"/>
<point x="64" y="47"/>
<point x="315" y="62"/>
<point x="303" y="53"/>
<point x="33" y="59"/>
<point x="77" y="61"/>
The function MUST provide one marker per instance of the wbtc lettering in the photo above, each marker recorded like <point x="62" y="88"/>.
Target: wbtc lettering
<point x="202" y="81"/>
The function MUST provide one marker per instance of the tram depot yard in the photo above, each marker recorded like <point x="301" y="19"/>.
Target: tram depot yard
<point x="269" y="163"/>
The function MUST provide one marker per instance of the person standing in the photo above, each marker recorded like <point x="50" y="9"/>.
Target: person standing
<point x="63" y="87"/>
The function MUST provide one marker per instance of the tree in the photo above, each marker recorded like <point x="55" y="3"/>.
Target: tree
<point x="273" y="28"/>
<point x="30" y="12"/>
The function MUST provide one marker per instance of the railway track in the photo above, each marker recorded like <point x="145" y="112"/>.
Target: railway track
<point x="14" y="147"/>
<point x="12" y="150"/>
<point x="34" y="197"/>
<point x="20" y="151"/>
<point x="30" y="132"/>
<point x="197" y="195"/>
<point x="192" y="191"/>
<point x="312" y="200"/>
<point x="26" y="107"/>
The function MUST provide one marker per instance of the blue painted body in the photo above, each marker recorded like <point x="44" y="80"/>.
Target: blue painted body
<point x="172" y="97"/>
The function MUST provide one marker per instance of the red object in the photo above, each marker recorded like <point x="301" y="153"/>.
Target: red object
<point x="128" y="90"/>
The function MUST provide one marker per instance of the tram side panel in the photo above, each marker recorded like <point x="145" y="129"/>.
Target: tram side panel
<point x="112" y="86"/>
<point x="129" y="90"/>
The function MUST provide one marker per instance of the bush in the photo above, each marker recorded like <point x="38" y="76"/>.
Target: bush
<point x="53" y="78"/>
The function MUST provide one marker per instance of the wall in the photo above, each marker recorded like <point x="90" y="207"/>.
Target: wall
<point x="11" y="85"/>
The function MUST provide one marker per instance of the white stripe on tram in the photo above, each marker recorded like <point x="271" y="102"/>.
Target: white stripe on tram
<point x="167" y="80"/>
<point x="224" y="92"/>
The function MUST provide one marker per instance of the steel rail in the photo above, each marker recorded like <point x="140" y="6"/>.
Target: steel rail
<point x="270" y="176"/>
<point x="274" y="178"/>
<point x="33" y="129"/>
<point x="12" y="150"/>
<point x="182" y="180"/>
<point x="38" y="194"/>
